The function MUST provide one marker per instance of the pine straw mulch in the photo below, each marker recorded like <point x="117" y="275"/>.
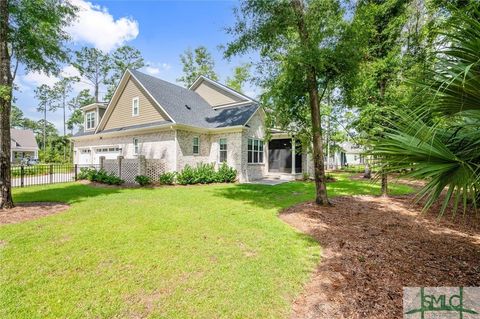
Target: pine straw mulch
<point x="27" y="211"/>
<point x="374" y="246"/>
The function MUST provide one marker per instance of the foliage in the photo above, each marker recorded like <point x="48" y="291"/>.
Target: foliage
<point x="86" y="173"/>
<point x="196" y="63"/>
<point x="241" y="74"/>
<point x="83" y="98"/>
<point x="143" y="180"/>
<point x="60" y="93"/>
<point x="16" y="117"/>
<point x="226" y="174"/>
<point x="100" y="176"/>
<point x="123" y="58"/>
<point x="37" y="33"/>
<point x="444" y="151"/>
<point x="93" y="65"/>
<point x="206" y="174"/>
<point x="167" y="178"/>
<point x="186" y="175"/>
<point x="301" y="57"/>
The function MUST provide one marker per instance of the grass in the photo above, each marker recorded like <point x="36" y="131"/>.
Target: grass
<point x="216" y="251"/>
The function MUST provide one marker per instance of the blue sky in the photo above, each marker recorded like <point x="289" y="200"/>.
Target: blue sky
<point x="161" y="30"/>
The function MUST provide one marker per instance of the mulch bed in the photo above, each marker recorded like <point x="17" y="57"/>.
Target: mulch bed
<point x="373" y="247"/>
<point x="27" y="211"/>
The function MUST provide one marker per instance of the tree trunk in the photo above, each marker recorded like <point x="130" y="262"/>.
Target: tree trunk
<point x="6" y="82"/>
<point x="321" y="197"/>
<point x="368" y="171"/>
<point x="321" y="187"/>
<point x="384" y="184"/>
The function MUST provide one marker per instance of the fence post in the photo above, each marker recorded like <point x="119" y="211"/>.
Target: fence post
<point x="22" y="174"/>
<point x="76" y="172"/>
<point x="51" y="173"/>
<point x="142" y="165"/>
<point x="102" y="160"/>
<point x="119" y="160"/>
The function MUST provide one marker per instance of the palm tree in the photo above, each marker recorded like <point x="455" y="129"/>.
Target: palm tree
<point x="445" y="151"/>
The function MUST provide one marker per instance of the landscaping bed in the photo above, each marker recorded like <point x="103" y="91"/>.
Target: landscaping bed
<point x="27" y="211"/>
<point x="374" y="246"/>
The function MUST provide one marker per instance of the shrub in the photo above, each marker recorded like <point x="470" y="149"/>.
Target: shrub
<point x="86" y="173"/>
<point x="142" y="180"/>
<point x="186" y="176"/>
<point x="100" y="176"/>
<point x="226" y="174"/>
<point x="167" y="178"/>
<point x="204" y="173"/>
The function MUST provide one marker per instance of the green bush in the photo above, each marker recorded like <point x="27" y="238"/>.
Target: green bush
<point x="100" y="176"/>
<point x="204" y="174"/>
<point x="226" y="174"/>
<point x="167" y="178"/>
<point x="143" y="180"/>
<point x="86" y="173"/>
<point x="186" y="176"/>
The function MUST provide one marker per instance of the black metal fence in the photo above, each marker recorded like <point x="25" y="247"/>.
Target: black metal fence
<point x="42" y="174"/>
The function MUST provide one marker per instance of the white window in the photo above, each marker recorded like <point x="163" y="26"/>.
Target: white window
<point x="135" y="146"/>
<point x="107" y="150"/>
<point x="135" y="106"/>
<point x="255" y="151"/>
<point x="90" y="120"/>
<point x="223" y="150"/>
<point x="196" y="146"/>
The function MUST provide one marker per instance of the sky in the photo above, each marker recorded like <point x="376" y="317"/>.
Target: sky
<point x="161" y="30"/>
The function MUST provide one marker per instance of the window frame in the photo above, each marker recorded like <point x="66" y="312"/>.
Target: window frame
<point x="135" y="99"/>
<point x="136" y="146"/>
<point x="198" y="145"/>
<point x="92" y="119"/>
<point x="224" y="150"/>
<point x="255" y="151"/>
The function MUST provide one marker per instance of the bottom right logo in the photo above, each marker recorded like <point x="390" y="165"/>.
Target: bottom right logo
<point x="441" y="302"/>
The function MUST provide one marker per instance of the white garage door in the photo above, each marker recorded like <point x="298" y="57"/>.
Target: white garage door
<point x="108" y="152"/>
<point x="84" y="157"/>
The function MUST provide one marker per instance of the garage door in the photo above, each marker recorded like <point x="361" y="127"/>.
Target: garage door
<point x="85" y="157"/>
<point x="108" y="152"/>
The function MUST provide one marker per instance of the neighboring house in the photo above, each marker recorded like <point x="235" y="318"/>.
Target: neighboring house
<point x="23" y="145"/>
<point x="352" y="154"/>
<point x="206" y="123"/>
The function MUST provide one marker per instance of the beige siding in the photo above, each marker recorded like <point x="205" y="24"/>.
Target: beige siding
<point x="216" y="96"/>
<point x="121" y="115"/>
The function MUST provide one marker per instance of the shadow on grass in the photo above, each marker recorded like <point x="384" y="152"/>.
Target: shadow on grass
<point x="287" y="194"/>
<point x="65" y="193"/>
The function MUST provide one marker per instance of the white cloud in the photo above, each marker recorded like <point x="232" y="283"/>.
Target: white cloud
<point x="35" y="79"/>
<point x="39" y="78"/>
<point x="96" y="26"/>
<point x="152" y="70"/>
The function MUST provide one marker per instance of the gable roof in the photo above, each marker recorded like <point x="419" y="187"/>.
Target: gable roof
<point x="23" y="138"/>
<point x="221" y="86"/>
<point x="187" y="107"/>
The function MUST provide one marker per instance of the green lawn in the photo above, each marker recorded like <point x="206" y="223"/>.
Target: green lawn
<point x="216" y="251"/>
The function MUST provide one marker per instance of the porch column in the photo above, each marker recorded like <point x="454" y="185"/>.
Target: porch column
<point x="293" y="156"/>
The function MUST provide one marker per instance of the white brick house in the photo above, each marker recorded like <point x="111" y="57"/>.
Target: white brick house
<point x="207" y="123"/>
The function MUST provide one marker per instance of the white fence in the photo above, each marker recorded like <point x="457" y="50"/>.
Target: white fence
<point x="128" y="168"/>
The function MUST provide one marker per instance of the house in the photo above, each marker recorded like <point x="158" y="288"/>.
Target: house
<point x="349" y="154"/>
<point x="206" y="123"/>
<point x="23" y="145"/>
<point x="352" y="154"/>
